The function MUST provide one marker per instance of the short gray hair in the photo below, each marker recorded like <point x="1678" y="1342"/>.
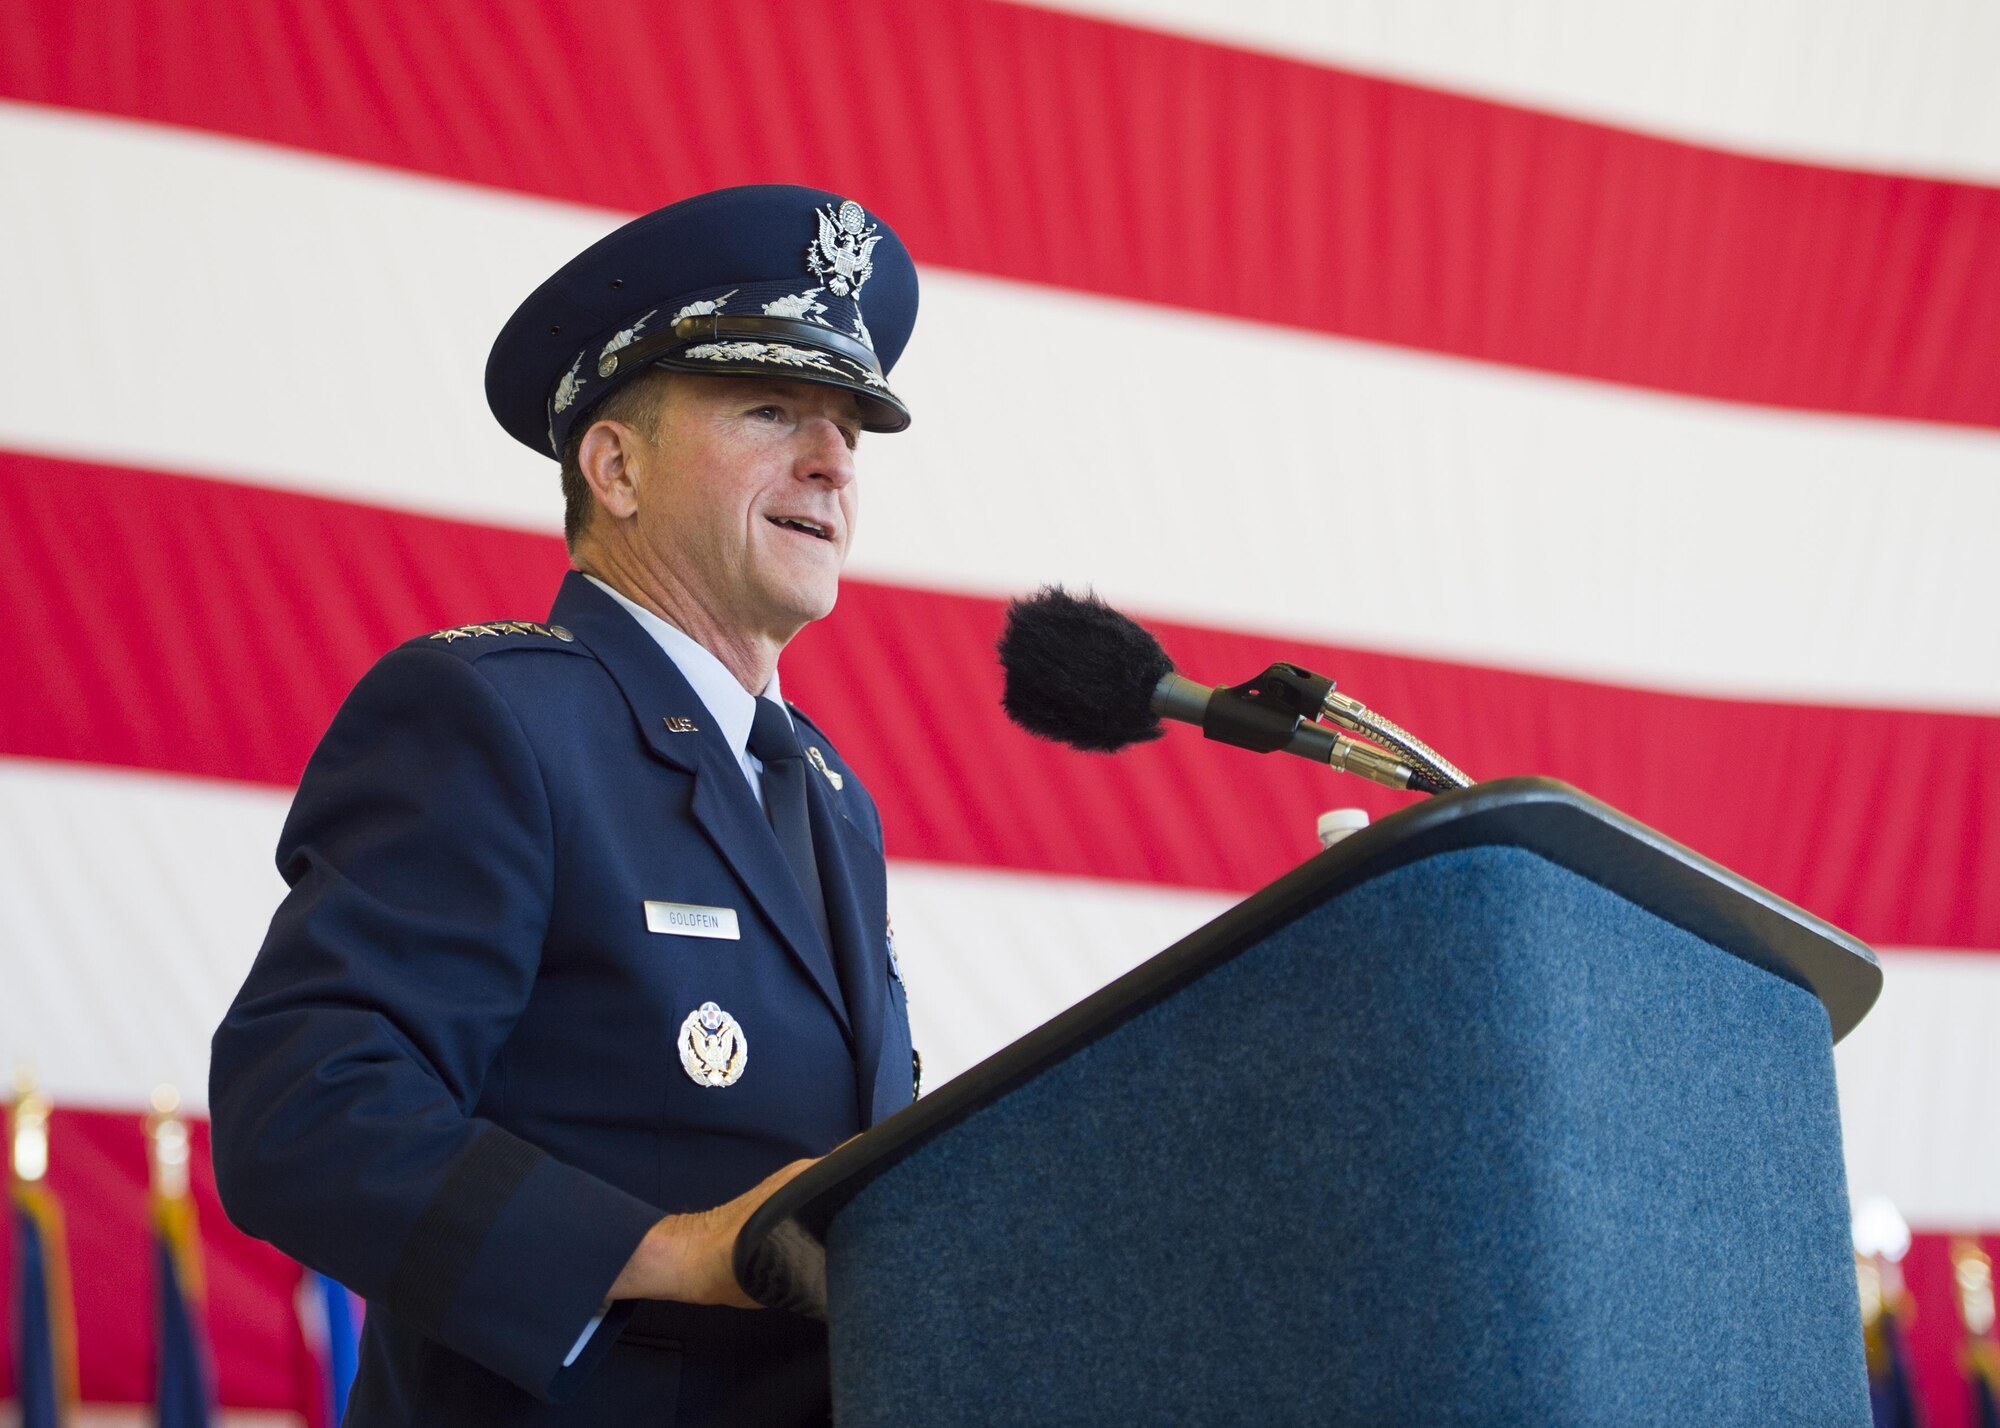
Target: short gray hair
<point x="636" y="403"/>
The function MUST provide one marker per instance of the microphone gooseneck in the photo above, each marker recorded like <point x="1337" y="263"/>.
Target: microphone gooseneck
<point x="1181" y="699"/>
<point x="1080" y="673"/>
<point x="1353" y="714"/>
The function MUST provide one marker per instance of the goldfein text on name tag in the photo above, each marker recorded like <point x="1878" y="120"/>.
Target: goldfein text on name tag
<point x="686" y="919"/>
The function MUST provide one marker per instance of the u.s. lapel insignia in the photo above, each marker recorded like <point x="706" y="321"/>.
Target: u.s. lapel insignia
<point x="712" y="1046"/>
<point x="818" y="761"/>
<point x="840" y="255"/>
<point x="678" y="725"/>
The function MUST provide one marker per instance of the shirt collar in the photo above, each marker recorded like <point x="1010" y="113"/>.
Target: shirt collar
<point x="733" y="707"/>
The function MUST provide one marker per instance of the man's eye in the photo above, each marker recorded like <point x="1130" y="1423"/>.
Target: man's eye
<point x="768" y="413"/>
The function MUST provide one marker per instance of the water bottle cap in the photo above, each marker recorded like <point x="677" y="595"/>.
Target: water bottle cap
<point x="1336" y="823"/>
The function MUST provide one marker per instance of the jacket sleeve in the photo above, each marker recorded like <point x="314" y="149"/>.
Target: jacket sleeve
<point x="343" y="1079"/>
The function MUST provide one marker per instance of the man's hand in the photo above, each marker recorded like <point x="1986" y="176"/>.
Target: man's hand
<point x="687" y="1257"/>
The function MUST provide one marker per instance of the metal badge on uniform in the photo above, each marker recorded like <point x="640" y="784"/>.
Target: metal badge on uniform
<point x="818" y="761"/>
<point x="687" y="919"/>
<point x="713" y="1049"/>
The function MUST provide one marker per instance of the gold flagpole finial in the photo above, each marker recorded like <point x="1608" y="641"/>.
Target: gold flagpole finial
<point x="167" y="1139"/>
<point x="1868" y="1276"/>
<point x="28" y="1129"/>
<point x="1972" y="1269"/>
<point x="170" y="1149"/>
<point x="1881" y="1239"/>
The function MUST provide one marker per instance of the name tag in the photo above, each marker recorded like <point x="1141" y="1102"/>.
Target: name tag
<point x="686" y="919"/>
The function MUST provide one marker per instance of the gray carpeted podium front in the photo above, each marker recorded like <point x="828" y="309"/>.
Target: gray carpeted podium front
<point x="1504" y="1111"/>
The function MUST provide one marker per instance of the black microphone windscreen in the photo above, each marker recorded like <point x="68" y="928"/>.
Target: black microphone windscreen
<point x="1080" y="673"/>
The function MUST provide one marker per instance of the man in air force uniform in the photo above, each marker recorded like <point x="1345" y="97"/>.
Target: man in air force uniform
<point x="585" y="950"/>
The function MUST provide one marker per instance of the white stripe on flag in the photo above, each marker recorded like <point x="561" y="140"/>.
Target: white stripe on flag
<point x="137" y="903"/>
<point x="321" y="325"/>
<point x="1916" y="1090"/>
<point x="989" y="956"/>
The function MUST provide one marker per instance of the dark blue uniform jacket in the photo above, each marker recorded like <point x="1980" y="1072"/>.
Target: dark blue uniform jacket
<point x="450" y="1080"/>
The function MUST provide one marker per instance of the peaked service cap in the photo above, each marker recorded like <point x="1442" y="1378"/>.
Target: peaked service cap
<point x="763" y="280"/>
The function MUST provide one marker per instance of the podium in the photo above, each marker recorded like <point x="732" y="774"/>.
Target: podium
<point x="1506" y="1110"/>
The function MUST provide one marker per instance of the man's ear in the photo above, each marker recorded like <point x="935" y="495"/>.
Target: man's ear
<point x="605" y="457"/>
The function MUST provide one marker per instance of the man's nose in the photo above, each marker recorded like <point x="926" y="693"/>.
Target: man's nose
<point x="826" y="455"/>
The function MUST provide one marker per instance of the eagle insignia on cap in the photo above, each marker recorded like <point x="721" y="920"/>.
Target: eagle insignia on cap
<point x="569" y="386"/>
<point x="839" y="256"/>
<point x="607" y="363"/>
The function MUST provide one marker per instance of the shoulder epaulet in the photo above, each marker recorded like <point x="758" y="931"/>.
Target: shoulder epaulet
<point x="494" y="629"/>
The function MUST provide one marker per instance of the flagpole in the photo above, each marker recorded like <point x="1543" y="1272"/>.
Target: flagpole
<point x="1881" y="1239"/>
<point x="1972" y="1272"/>
<point x="44" y="1312"/>
<point x="184" y="1395"/>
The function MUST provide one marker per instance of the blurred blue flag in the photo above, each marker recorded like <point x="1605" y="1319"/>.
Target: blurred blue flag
<point x="44" y="1331"/>
<point x="343" y="1340"/>
<point x="184" y="1397"/>
<point x="1892" y="1394"/>
<point x="1983" y="1374"/>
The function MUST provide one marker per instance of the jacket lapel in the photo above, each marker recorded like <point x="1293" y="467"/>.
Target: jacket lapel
<point x="857" y="911"/>
<point x="722" y="805"/>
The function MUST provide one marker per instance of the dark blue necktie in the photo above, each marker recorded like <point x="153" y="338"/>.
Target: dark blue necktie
<point x="776" y="745"/>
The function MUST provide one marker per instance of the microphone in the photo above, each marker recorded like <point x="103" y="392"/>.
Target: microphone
<point x="1080" y="673"/>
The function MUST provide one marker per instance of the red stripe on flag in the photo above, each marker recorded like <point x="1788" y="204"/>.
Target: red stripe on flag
<point x="207" y="628"/>
<point x="1057" y="149"/>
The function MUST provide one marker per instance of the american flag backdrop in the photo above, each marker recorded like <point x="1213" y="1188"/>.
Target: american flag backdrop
<point x="1602" y="390"/>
